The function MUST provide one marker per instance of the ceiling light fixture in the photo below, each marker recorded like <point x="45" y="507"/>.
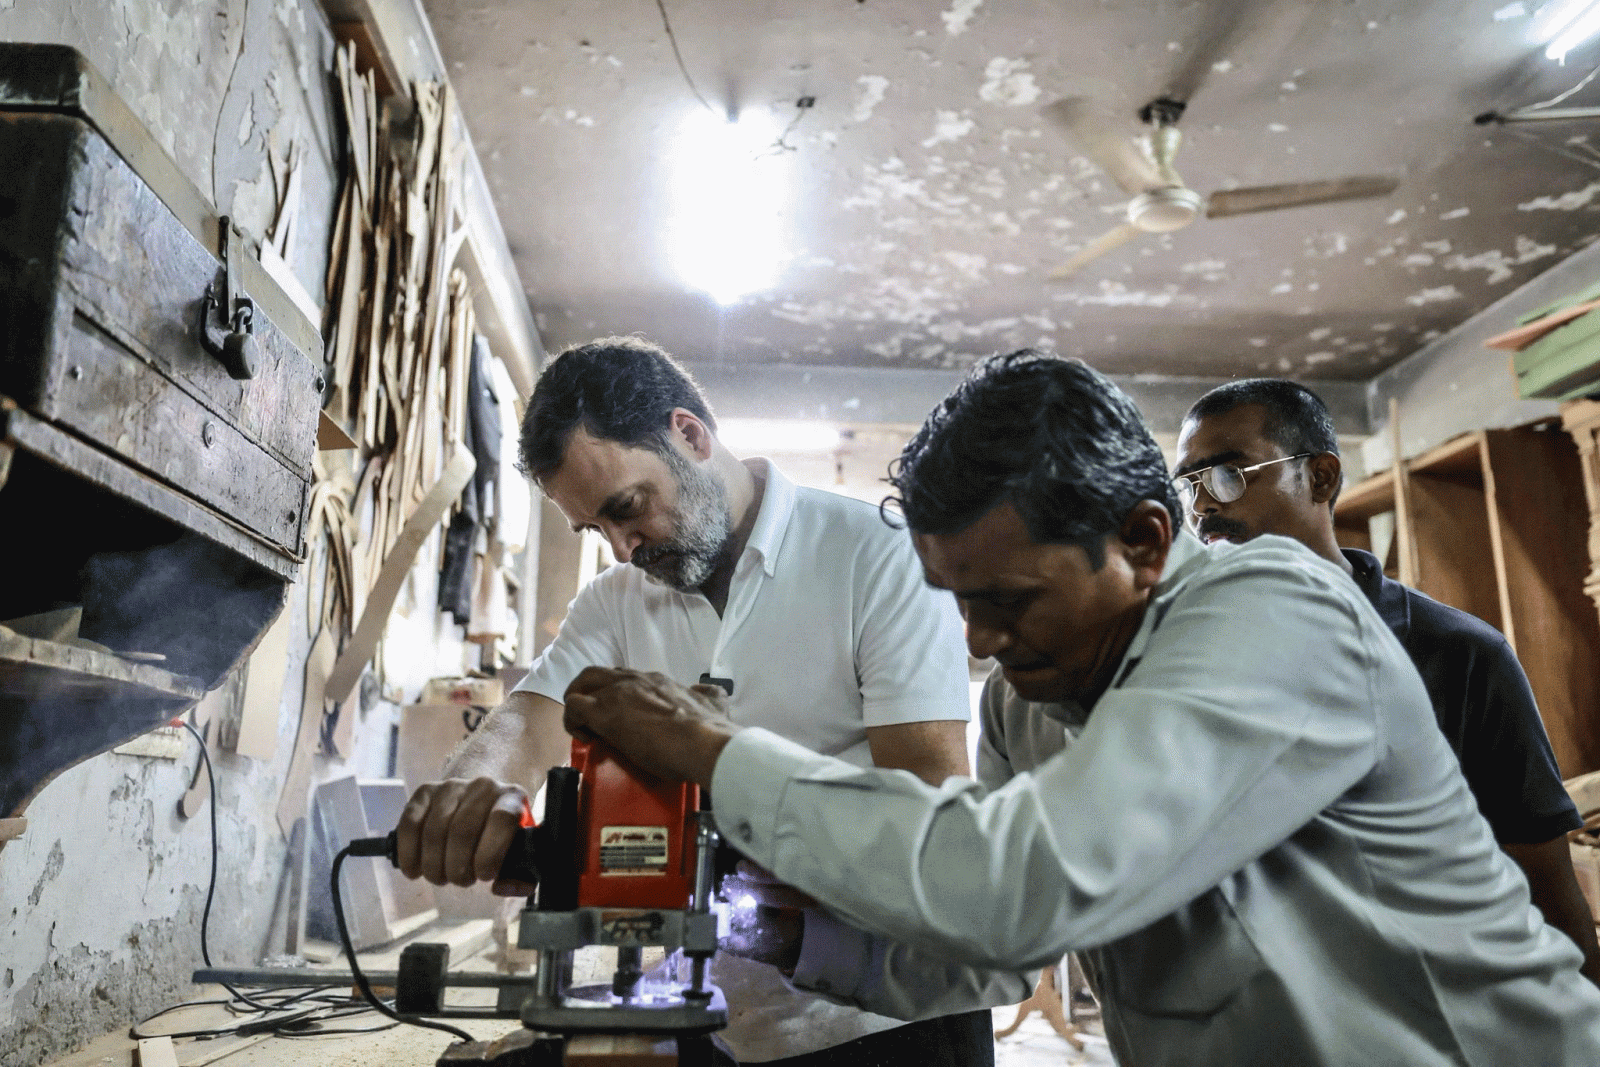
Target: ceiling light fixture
<point x="729" y="185"/>
<point x="764" y="436"/>
<point x="1566" y="24"/>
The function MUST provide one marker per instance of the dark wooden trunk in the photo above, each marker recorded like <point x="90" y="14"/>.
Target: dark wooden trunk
<point x="139" y="481"/>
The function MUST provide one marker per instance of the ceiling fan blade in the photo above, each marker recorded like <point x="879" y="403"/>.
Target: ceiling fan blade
<point x="1229" y="202"/>
<point x="1252" y="36"/>
<point x="1111" y="146"/>
<point x="1106" y="242"/>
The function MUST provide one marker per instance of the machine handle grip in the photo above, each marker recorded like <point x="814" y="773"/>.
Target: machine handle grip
<point x="522" y="858"/>
<point x="520" y="865"/>
<point x="386" y="846"/>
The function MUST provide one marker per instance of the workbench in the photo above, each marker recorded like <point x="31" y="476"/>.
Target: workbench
<point x="401" y="1046"/>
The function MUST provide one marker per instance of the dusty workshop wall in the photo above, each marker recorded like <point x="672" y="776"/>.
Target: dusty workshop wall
<point x="1455" y="384"/>
<point x="101" y="899"/>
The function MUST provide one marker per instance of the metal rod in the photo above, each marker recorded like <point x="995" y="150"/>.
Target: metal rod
<point x="547" y="979"/>
<point x="706" y="841"/>
<point x="306" y="977"/>
<point x="1548" y="114"/>
<point x="697" y="979"/>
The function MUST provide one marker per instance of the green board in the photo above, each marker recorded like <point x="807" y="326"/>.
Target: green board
<point x="1564" y="364"/>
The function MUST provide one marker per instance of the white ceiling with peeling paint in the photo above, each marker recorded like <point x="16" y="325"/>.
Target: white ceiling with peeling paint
<point x="927" y="199"/>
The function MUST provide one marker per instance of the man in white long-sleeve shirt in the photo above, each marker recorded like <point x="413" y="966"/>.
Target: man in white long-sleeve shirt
<point x="1218" y="775"/>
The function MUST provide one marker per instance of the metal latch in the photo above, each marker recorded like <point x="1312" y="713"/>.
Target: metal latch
<point x="233" y="342"/>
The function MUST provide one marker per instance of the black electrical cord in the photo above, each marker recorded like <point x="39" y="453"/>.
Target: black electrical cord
<point x="355" y="967"/>
<point x="211" y="882"/>
<point x="308" y="1022"/>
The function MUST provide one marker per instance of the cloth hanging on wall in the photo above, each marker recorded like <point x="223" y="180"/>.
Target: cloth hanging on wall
<point x="478" y="501"/>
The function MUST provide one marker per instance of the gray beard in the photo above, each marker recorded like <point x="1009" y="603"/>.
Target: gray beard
<point x="700" y="539"/>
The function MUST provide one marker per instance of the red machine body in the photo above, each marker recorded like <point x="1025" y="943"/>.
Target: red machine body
<point x="639" y="847"/>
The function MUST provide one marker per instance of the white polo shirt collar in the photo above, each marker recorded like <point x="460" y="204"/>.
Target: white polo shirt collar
<point x="772" y="518"/>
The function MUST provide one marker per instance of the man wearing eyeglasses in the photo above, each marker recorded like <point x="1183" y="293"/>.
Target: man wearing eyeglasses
<point x="1260" y="457"/>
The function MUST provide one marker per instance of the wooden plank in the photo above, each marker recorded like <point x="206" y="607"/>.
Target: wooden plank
<point x="1450" y="525"/>
<point x="157" y="1052"/>
<point x="368" y="55"/>
<point x="375" y="618"/>
<point x="620" y="1050"/>
<point x="79" y="667"/>
<point x="1404" y="537"/>
<point x="263" y="691"/>
<point x="1459" y="455"/>
<point x="1369" y="497"/>
<point x="205" y="1053"/>
<point x="292" y="801"/>
<point x="1581" y="419"/>
<point x="1523" y="336"/>
<point x="1538" y="523"/>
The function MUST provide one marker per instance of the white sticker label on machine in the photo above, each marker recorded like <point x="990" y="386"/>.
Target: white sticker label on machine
<point x="633" y="850"/>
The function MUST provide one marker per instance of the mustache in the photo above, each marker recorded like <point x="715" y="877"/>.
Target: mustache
<point x="644" y="557"/>
<point x="1216" y="525"/>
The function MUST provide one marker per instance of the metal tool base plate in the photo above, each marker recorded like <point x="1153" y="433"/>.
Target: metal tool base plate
<point x="588" y="1010"/>
<point x="559" y="931"/>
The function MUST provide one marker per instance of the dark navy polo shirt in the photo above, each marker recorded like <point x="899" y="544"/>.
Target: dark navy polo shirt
<point x="1484" y="706"/>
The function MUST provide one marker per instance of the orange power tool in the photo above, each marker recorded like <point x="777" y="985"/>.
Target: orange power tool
<point x="619" y="861"/>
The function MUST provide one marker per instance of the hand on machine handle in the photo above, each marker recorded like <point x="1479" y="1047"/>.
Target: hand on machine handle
<point x="519" y="871"/>
<point x="460" y="832"/>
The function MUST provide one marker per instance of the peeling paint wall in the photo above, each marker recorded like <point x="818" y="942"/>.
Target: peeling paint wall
<point x="1455" y="384"/>
<point x="101" y="899"/>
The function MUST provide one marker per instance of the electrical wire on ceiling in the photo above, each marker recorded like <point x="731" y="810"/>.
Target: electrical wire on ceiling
<point x="1554" y="100"/>
<point x="1586" y="156"/>
<point x="802" y="107"/>
<point x="672" y="38"/>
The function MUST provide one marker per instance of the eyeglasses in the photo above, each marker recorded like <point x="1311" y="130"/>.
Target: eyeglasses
<point x="1224" y="481"/>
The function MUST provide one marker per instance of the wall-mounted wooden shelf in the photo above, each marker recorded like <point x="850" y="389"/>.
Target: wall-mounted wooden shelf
<point x="1497" y="522"/>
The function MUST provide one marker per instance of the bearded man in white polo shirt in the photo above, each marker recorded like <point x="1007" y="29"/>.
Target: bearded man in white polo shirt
<point x="802" y="604"/>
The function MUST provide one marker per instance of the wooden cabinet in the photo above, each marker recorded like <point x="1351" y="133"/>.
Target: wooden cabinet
<point x="1496" y="523"/>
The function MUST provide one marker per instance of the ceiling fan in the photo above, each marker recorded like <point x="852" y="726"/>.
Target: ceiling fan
<point x="1142" y="167"/>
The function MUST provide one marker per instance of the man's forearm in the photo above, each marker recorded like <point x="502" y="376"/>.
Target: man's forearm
<point x="517" y="742"/>
<point x="1555" y="892"/>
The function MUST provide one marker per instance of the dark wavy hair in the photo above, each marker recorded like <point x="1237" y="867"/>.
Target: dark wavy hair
<point x="619" y="389"/>
<point x="1054" y="438"/>
<point x="1296" y="418"/>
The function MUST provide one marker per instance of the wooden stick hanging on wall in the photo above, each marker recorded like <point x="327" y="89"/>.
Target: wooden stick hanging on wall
<point x="1404" y="534"/>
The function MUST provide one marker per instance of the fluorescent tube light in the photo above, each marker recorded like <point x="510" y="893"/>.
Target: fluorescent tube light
<point x="1570" y="23"/>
